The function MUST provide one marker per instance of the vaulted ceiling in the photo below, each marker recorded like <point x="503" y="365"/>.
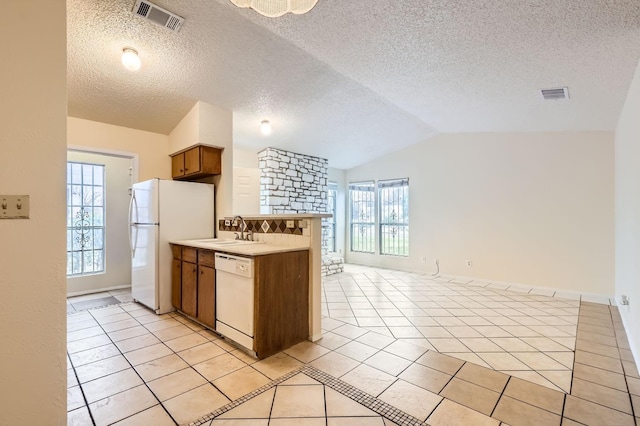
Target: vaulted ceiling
<point x="353" y="80"/>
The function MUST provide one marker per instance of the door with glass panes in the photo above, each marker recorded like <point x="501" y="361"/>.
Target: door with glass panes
<point x="98" y="255"/>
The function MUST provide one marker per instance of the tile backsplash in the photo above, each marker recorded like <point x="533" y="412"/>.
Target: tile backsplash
<point x="265" y="226"/>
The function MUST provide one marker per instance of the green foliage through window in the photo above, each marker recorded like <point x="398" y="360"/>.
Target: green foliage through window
<point x="388" y="220"/>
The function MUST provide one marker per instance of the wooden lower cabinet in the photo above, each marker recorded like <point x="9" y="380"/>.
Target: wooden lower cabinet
<point x="281" y="295"/>
<point x="190" y="288"/>
<point x="207" y="296"/>
<point x="176" y="277"/>
<point x="193" y="283"/>
<point x="281" y="310"/>
<point x="176" y="284"/>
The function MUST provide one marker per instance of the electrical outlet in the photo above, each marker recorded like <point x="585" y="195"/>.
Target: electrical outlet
<point x="469" y="264"/>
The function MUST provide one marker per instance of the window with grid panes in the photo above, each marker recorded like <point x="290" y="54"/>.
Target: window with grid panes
<point x="362" y="217"/>
<point x="393" y="208"/>
<point x="85" y="218"/>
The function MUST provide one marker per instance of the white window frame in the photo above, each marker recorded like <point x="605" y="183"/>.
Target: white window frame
<point x="83" y="219"/>
<point x="393" y="218"/>
<point x="329" y="223"/>
<point x="366" y="225"/>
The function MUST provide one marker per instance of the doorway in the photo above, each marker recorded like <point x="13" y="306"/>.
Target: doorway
<point x="98" y="254"/>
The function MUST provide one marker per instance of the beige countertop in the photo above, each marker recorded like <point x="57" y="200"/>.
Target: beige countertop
<point x="242" y="248"/>
<point x="284" y="216"/>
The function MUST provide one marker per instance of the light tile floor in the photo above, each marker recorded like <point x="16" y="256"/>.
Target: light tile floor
<point x="98" y="300"/>
<point x="127" y="365"/>
<point x="525" y="335"/>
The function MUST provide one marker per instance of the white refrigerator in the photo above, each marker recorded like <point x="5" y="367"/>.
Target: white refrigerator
<point x="161" y="211"/>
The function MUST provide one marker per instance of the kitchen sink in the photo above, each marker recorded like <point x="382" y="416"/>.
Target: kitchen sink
<point x="227" y="242"/>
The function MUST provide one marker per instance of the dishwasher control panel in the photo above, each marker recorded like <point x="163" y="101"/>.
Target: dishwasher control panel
<point x="234" y="264"/>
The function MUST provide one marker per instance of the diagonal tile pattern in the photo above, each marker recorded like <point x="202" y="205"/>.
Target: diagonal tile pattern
<point x="473" y="321"/>
<point x="127" y="365"/>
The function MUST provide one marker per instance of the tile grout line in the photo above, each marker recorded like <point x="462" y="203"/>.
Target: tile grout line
<point x="500" y="397"/>
<point x="84" y="397"/>
<point x="133" y="368"/>
<point x="633" y="414"/>
<point x="624" y="374"/>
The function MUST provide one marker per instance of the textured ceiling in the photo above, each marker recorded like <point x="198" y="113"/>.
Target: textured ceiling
<point x="353" y="80"/>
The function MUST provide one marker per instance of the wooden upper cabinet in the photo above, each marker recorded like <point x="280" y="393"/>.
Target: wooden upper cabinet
<point x="196" y="162"/>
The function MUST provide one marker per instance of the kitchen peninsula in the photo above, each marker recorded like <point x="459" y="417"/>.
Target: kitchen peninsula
<point x="279" y="270"/>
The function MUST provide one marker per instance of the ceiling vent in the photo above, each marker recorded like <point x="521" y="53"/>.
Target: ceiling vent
<point x="158" y="15"/>
<point x="556" y="93"/>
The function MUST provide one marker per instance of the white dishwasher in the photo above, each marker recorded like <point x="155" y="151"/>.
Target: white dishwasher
<point x="234" y="298"/>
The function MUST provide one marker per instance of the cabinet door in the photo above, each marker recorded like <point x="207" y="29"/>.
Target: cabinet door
<point x="207" y="295"/>
<point x="192" y="161"/>
<point x="189" y="288"/>
<point x="177" y="165"/>
<point x="176" y="284"/>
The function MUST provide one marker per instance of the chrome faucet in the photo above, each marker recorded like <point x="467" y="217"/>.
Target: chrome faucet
<point x="242" y="225"/>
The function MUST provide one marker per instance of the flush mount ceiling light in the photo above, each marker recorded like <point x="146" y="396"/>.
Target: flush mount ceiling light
<point x="275" y="8"/>
<point x="265" y="127"/>
<point x="130" y="59"/>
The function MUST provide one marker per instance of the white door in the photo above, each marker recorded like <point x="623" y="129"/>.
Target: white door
<point x="117" y="260"/>
<point x="246" y="190"/>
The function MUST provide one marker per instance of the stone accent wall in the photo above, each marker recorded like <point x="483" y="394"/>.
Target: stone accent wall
<point x="331" y="265"/>
<point x="292" y="183"/>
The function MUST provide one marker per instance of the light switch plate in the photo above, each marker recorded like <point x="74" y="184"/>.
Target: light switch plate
<point x="14" y="207"/>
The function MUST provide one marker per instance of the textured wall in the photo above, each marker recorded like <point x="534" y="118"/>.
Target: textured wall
<point x="33" y="83"/>
<point x="292" y="183"/>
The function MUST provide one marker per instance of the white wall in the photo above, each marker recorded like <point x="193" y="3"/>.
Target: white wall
<point x="244" y="157"/>
<point x="627" y="160"/>
<point x="531" y="208"/>
<point x="32" y="256"/>
<point x="216" y="128"/>
<point x="152" y="149"/>
<point x="210" y="125"/>
<point x="117" y="273"/>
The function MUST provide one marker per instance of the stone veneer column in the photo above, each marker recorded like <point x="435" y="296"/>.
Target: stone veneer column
<point x="292" y="183"/>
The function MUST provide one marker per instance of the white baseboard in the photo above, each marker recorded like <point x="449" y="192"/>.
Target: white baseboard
<point x="99" y="290"/>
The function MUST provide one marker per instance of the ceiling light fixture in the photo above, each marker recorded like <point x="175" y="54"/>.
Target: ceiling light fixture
<point x="265" y="127"/>
<point x="130" y="59"/>
<point x="275" y="8"/>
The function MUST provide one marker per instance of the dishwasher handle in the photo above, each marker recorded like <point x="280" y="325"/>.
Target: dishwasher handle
<point x="234" y="265"/>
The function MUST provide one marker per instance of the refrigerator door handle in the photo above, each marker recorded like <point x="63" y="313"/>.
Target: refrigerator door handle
<point x="131" y="204"/>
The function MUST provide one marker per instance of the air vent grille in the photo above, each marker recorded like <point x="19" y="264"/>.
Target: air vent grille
<point x="157" y="15"/>
<point x="555" y="93"/>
